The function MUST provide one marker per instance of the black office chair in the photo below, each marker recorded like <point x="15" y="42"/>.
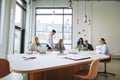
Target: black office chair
<point x="105" y="66"/>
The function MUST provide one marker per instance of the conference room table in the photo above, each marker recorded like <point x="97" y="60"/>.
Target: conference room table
<point x="52" y="65"/>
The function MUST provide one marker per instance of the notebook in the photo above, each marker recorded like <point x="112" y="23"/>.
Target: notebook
<point x="76" y="58"/>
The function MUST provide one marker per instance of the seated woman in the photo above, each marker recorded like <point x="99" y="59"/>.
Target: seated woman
<point x="34" y="45"/>
<point x="59" y="45"/>
<point x="88" y="46"/>
<point x="102" y="48"/>
<point x="80" y="42"/>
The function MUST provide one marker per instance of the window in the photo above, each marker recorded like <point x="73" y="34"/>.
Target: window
<point x="19" y="14"/>
<point x="59" y="19"/>
<point x="19" y="26"/>
<point x="17" y="41"/>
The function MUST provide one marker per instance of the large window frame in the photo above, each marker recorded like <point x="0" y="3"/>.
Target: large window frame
<point x="21" y="28"/>
<point x="63" y="23"/>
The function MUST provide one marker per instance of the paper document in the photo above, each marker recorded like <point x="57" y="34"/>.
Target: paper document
<point x="76" y="58"/>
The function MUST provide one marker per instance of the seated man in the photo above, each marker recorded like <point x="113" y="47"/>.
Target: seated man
<point x="59" y="45"/>
<point x="88" y="46"/>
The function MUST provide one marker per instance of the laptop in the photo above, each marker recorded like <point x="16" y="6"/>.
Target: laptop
<point x="42" y="50"/>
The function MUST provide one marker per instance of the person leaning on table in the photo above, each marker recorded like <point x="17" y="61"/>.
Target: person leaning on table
<point x="49" y="43"/>
<point x="35" y="44"/>
<point x="59" y="45"/>
<point x="88" y="46"/>
<point x="102" y="48"/>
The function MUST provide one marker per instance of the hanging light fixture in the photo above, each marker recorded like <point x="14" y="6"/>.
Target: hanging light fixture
<point x="53" y="7"/>
<point x="70" y="3"/>
<point x="85" y="17"/>
<point x="77" y="13"/>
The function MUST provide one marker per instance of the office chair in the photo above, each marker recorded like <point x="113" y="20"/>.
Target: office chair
<point x="105" y="65"/>
<point x="4" y="68"/>
<point x="89" y="74"/>
<point x="5" y="73"/>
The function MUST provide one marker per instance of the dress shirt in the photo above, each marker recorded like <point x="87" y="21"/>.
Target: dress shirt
<point x="102" y="49"/>
<point x="50" y="40"/>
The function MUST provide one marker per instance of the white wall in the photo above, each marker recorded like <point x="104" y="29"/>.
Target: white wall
<point x="81" y="25"/>
<point x="105" y="19"/>
<point x="106" y="23"/>
<point x="0" y="11"/>
<point x="0" y="21"/>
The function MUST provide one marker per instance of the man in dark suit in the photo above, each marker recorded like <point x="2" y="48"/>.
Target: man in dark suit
<point x="88" y="46"/>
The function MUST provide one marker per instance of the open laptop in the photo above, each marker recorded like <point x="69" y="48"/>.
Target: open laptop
<point x="42" y="50"/>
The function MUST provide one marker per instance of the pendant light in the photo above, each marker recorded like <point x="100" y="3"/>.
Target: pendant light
<point x="70" y="4"/>
<point x="53" y="7"/>
<point x="77" y="13"/>
<point x="85" y="17"/>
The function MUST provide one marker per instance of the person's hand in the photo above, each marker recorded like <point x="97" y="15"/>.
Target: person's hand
<point x="50" y="50"/>
<point x="52" y="47"/>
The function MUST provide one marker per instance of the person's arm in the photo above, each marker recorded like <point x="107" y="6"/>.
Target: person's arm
<point x="91" y="47"/>
<point x="78" y="43"/>
<point x="98" y="49"/>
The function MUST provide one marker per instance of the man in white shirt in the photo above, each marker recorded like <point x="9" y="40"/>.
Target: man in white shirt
<point x="50" y="40"/>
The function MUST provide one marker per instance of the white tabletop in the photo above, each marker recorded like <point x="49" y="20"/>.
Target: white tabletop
<point x="47" y="61"/>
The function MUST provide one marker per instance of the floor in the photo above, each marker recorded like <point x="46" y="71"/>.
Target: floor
<point x="113" y="67"/>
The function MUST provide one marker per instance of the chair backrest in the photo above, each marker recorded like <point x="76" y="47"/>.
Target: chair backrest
<point x="4" y="67"/>
<point x="93" y="69"/>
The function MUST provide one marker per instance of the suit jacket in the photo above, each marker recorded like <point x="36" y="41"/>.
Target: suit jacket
<point x="89" y="47"/>
<point x="57" y="47"/>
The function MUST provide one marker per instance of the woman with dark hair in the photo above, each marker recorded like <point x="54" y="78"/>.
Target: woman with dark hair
<point x="102" y="49"/>
<point x="80" y="42"/>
